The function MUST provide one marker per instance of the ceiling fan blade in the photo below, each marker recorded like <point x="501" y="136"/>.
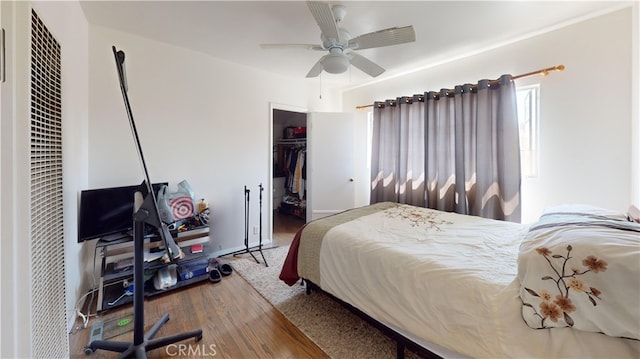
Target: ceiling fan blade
<point x="367" y="66"/>
<point x="316" y="69"/>
<point x="323" y="15"/>
<point x="386" y="37"/>
<point x="292" y="46"/>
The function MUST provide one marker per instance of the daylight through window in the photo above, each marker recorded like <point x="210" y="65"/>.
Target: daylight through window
<point x="527" y="98"/>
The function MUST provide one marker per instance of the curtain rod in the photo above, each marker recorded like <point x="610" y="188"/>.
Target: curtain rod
<point x="542" y="72"/>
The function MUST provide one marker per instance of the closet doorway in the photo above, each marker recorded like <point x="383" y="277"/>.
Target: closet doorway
<point x="288" y="182"/>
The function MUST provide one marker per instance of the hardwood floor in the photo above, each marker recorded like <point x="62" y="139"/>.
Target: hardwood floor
<point x="237" y="322"/>
<point x="285" y="227"/>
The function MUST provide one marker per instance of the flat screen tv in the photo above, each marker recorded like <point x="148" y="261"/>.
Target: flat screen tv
<point x="107" y="213"/>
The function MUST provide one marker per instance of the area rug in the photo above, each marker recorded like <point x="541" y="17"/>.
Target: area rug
<point x="337" y="331"/>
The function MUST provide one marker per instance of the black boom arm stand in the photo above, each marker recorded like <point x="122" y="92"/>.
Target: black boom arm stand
<point x="147" y="212"/>
<point x="259" y="247"/>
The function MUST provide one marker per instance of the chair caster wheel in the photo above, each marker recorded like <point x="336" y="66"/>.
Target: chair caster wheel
<point x="88" y="350"/>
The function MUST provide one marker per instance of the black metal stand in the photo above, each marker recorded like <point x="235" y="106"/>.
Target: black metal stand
<point x="146" y="213"/>
<point x="259" y="247"/>
<point x="141" y="342"/>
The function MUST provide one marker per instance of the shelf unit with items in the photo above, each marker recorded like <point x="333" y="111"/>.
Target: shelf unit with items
<point x="116" y="270"/>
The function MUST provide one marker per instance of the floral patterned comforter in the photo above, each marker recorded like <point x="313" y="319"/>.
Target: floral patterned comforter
<point x="447" y="281"/>
<point x="582" y="271"/>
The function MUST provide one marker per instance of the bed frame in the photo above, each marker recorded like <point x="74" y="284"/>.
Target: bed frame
<point x="402" y="342"/>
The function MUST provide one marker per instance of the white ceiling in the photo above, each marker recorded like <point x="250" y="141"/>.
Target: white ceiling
<point x="233" y="30"/>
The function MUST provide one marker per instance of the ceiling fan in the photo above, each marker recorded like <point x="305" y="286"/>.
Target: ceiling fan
<point x="341" y="46"/>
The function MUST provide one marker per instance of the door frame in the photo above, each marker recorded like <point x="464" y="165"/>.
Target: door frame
<point x="275" y="106"/>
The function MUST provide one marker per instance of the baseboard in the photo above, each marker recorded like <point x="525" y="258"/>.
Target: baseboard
<point x="227" y="251"/>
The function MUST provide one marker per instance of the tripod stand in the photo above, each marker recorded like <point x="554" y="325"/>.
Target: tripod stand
<point x="147" y="212"/>
<point x="141" y="342"/>
<point x="259" y="247"/>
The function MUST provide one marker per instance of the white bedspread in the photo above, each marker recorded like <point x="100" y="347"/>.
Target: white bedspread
<point x="448" y="279"/>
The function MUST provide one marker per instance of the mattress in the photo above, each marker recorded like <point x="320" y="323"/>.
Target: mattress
<point x="437" y="278"/>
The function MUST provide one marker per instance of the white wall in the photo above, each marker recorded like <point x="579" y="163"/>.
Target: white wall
<point x="198" y="118"/>
<point x="15" y="264"/>
<point x="66" y="22"/>
<point x="585" y="111"/>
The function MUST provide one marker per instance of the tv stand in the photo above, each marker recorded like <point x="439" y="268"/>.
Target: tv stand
<point x="116" y="276"/>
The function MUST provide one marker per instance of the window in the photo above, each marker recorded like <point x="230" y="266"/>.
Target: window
<point x="528" y="102"/>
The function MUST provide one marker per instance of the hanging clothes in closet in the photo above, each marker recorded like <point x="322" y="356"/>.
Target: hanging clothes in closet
<point x="295" y="170"/>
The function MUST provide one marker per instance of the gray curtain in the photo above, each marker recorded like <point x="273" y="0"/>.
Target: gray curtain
<point x="456" y="151"/>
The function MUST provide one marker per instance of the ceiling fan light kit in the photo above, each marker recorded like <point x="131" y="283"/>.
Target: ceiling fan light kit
<point x="342" y="48"/>
<point x="335" y="63"/>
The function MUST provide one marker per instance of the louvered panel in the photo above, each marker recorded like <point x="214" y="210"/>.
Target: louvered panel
<point x="48" y="325"/>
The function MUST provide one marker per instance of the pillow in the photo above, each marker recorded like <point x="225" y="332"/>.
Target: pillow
<point x="585" y="209"/>
<point x="634" y="213"/>
<point x="581" y="270"/>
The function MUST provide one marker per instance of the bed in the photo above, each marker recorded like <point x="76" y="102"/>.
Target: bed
<point x="465" y="286"/>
